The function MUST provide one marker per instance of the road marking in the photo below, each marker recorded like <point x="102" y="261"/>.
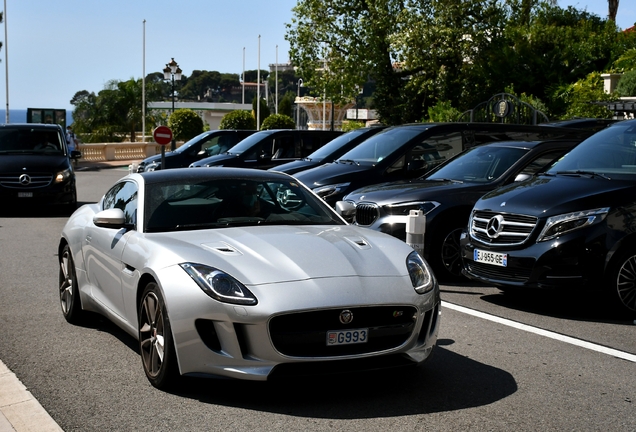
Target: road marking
<point x="552" y="335"/>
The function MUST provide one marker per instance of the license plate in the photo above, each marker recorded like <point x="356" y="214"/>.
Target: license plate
<point x="347" y="337"/>
<point x="493" y="258"/>
<point x="25" y="194"/>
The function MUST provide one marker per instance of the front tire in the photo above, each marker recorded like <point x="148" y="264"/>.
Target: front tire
<point x="622" y="281"/>
<point x="158" y="355"/>
<point x="68" y="288"/>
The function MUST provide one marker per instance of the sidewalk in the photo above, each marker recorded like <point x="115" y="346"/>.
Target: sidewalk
<point x="19" y="410"/>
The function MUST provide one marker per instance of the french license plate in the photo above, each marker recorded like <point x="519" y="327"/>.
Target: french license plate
<point x="347" y="337"/>
<point x="493" y="258"/>
<point x="25" y="194"/>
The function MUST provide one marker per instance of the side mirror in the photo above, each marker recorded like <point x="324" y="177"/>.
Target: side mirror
<point x="346" y="209"/>
<point x="76" y="154"/>
<point x="110" y="218"/>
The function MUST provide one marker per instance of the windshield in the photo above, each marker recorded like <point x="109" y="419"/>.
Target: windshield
<point x="381" y="145"/>
<point x="335" y="144"/>
<point x="610" y="152"/>
<point x="184" y="205"/>
<point x="249" y="142"/>
<point x="186" y="145"/>
<point x="482" y="164"/>
<point x="30" y="141"/>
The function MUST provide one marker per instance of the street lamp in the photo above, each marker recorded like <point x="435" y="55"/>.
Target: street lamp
<point x="300" y="84"/>
<point x="172" y="72"/>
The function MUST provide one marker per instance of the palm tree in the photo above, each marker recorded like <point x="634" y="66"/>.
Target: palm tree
<point x="613" y="9"/>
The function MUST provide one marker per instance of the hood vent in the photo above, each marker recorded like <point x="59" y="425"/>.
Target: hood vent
<point x="222" y="247"/>
<point x="358" y="242"/>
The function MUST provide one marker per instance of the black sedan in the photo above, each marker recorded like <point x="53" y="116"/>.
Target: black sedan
<point x="447" y="194"/>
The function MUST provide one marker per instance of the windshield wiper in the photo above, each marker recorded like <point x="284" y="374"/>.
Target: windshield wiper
<point x="445" y="180"/>
<point x="583" y="172"/>
<point x="349" y="161"/>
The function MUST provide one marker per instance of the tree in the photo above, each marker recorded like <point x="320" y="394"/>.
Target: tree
<point x="185" y="124"/>
<point x="278" y="121"/>
<point x="627" y="85"/>
<point x="285" y="105"/>
<point x="238" y="119"/>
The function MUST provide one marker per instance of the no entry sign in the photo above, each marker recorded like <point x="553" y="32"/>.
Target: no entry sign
<point x="162" y="135"/>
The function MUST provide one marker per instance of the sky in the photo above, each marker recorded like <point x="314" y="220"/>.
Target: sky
<point x="56" y="48"/>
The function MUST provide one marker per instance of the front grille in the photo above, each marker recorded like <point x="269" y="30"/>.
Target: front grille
<point x="515" y="229"/>
<point x="500" y="273"/>
<point x="25" y="181"/>
<point x="366" y="214"/>
<point x="305" y="334"/>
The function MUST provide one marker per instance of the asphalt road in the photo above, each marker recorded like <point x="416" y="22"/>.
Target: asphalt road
<point x="487" y="373"/>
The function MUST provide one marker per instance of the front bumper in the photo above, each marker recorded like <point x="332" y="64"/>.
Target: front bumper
<point x="233" y="341"/>
<point x="572" y="261"/>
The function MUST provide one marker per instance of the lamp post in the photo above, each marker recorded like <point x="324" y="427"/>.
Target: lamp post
<point x="172" y="72"/>
<point x="300" y="84"/>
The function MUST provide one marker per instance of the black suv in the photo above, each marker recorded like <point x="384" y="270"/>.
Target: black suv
<point x="204" y="145"/>
<point x="447" y="194"/>
<point x="409" y="151"/>
<point x="270" y="148"/>
<point x="573" y="226"/>
<point x="35" y="166"/>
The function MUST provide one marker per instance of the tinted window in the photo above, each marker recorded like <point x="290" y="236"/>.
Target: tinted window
<point x="480" y="164"/>
<point x="611" y="151"/>
<point x="123" y="196"/>
<point x="249" y="142"/>
<point x="379" y="146"/>
<point x="336" y="143"/>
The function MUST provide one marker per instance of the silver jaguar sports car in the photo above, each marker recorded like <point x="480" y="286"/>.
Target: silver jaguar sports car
<point x="244" y="274"/>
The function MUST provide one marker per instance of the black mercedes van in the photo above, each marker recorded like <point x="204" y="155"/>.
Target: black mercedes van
<point x="571" y="227"/>
<point x="35" y="166"/>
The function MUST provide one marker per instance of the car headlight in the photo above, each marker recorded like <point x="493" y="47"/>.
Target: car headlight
<point x="559" y="225"/>
<point x="404" y="209"/>
<point x="420" y="273"/>
<point x="63" y="176"/>
<point x="219" y="285"/>
<point x="326" y="191"/>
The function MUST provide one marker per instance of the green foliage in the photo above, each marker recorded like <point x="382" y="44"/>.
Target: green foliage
<point x="185" y="124"/>
<point x="285" y="106"/>
<point x="278" y="121"/>
<point x="627" y="84"/>
<point x="114" y="112"/>
<point x="238" y="119"/>
<point x="350" y="125"/>
<point x="578" y="98"/>
<point x="442" y="111"/>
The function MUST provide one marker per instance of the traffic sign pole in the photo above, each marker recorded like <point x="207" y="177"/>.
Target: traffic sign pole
<point x="163" y="136"/>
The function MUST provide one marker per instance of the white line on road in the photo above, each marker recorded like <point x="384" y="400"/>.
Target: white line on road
<point x="552" y="335"/>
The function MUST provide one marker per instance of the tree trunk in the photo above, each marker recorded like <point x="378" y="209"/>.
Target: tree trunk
<point x="613" y="9"/>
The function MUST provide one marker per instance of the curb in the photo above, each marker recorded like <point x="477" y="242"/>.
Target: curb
<point x="19" y="410"/>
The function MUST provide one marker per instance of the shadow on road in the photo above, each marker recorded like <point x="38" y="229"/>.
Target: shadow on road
<point x="447" y="382"/>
